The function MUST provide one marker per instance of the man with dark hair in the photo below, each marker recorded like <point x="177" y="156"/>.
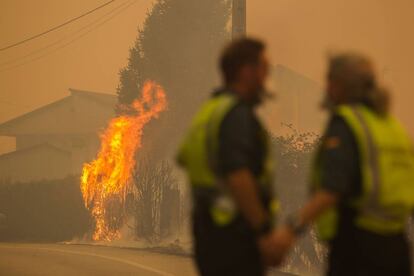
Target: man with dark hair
<point x="363" y="178"/>
<point x="237" y="54"/>
<point x="229" y="164"/>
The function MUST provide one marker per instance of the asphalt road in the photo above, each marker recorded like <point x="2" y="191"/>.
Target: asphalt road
<point x="61" y="260"/>
<point x="79" y="260"/>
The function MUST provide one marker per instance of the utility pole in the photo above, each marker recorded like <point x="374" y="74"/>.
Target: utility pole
<point x="239" y="18"/>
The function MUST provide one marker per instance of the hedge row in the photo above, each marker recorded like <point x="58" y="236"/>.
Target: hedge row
<point x="46" y="211"/>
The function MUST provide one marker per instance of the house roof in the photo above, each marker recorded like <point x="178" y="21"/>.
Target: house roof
<point x="103" y="98"/>
<point x="77" y="112"/>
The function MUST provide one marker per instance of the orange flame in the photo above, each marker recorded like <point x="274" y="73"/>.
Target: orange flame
<point x="106" y="179"/>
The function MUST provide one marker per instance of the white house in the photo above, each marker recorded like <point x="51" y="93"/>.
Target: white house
<point x="55" y="140"/>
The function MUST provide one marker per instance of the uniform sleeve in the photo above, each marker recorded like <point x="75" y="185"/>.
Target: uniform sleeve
<point x="340" y="160"/>
<point x="236" y="140"/>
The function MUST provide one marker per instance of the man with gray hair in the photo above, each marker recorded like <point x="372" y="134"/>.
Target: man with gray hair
<point x="362" y="186"/>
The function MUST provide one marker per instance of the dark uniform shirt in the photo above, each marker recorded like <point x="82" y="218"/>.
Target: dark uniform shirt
<point x="240" y="140"/>
<point x="340" y="160"/>
<point x="231" y="249"/>
<point x="355" y="251"/>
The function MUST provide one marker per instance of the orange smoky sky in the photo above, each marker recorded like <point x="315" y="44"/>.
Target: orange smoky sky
<point x="299" y="33"/>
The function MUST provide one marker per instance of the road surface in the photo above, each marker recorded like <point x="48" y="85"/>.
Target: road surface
<point x="79" y="260"/>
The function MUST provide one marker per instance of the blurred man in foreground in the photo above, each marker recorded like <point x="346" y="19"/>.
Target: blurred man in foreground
<point x="363" y="178"/>
<point x="227" y="158"/>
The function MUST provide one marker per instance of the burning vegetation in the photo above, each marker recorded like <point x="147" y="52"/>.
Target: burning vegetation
<point x="106" y="181"/>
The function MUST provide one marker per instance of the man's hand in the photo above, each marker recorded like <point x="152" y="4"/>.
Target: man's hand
<point x="275" y="246"/>
<point x="243" y="187"/>
<point x="284" y="238"/>
<point x="267" y="249"/>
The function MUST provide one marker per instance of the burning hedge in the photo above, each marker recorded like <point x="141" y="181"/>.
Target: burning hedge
<point x="106" y="181"/>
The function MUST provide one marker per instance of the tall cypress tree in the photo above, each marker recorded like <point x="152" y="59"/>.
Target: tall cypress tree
<point x="177" y="46"/>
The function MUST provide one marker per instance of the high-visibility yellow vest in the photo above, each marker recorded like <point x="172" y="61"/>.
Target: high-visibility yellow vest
<point x="198" y="155"/>
<point x="387" y="170"/>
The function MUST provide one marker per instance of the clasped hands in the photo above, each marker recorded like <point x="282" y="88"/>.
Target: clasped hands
<point x="275" y="245"/>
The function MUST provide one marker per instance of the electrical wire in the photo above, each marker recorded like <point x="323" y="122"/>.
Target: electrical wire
<point x="70" y="42"/>
<point x="42" y="49"/>
<point x="54" y="28"/>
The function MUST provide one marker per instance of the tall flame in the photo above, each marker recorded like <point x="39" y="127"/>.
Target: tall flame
<point x="106" y="179"/>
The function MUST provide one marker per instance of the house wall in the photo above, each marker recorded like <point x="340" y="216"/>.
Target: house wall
<point x="297" y="103"/>
<point x="37" y="164"/>
<point x="28" y="141"/>
<point x="84" y="151"/>
<point x="7" y="144"/>
<point x="82" y="147"/>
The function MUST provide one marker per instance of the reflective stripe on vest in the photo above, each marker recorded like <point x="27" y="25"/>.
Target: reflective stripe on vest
<point x="371" y="205"/>
<point x="198" y="155"/>
<point x="196" y="152"/>
<point x="387" y="170"/>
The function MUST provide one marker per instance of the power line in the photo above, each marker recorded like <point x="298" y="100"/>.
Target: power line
<point x="42" y="49"/>
<point x="71" y="41"/>
<point x="55" y="28"/>
<point x="68" y="43"/>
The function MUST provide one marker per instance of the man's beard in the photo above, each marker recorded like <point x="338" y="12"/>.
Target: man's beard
<point x="327" y="104"/>
<point x="261" y="95"/>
